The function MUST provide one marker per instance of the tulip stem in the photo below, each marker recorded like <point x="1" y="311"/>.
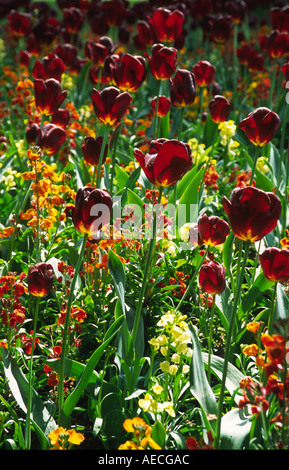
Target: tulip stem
<point x="146" y="271"/>
<point x="285" y="119"/>
<point x="254" y="164"/>
<point x="271" y="316"/>
<point x="98" y="168"/>
<point x="30" y="371"/>
<point x="210" y="337"/>
<point x="156" y="110"/>
<point x="192" y="280"/>
<point x="228" y="344"/>
<point x="66" y="332"/>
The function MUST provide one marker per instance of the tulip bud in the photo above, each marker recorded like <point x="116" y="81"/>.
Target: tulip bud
<point x="40" y="279"/>
<point x="260" y="126"/>
<point x="275" y="264"/>
<point x="91" y="211"/>
<point x="166" y="162"/>
<point x="212" y="277"/>
<point x="252" y="212"/>
<point x="219" y="108"/>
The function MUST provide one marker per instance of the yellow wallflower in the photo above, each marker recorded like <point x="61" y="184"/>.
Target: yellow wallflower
<point x="64" y="439"/>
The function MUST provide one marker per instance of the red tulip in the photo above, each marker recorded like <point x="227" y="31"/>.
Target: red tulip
<point x="204" y="73"/>
<point x="51" y="138"/>
<point x="91" y="149"/>
<point x="69" y="55"/>
<point x="162" y="61"/>
<point x="275" y="264"/>
<point x="167" y="24"/>
<point x="145" y="35"/>
<point x="221" y="28"/>
<point x="33" y="134"/>
<point x="236" y="9"/>
<point x="40" y="279"/>
<point x="129" y="72"/>
<point x="212" y="277"/>
<point x="278" y="44"/>
<point x="219" y="108"/>
<point x="182" y="86"/>
<point x="48" y="95"/>
<point x="73" y="20"/>
<point x="164" y="105"/>
<point x="252" y="212"/>
<point x="91" y="210"/>
<point x="280" y="18"/>
<point x="50" y="66"/>
<point x="20" y="23"/>
<point x="213" y="230"/>
<point x="97" y="52"/>
<point x="166" y="162"/>
<point x="260" y="126"/>
<point x="110" y="105"/>
<point x="61" y="118"/>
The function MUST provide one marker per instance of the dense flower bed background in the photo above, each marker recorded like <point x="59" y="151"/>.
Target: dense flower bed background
<point x="143" y="225"/>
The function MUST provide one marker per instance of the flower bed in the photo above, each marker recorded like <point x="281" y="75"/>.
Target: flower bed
<point x="144" y="225"/>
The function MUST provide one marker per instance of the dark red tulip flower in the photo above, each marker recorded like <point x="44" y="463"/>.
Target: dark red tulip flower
<point x="182" y="87"/>
<point x="145" y="35"/>
<point x="280" y="18"/>
<point x="219" y="108"/>
<point x="275" y="264"/>
<point x="212" y="277"/>
<point x="129" y="72"/>
<point x="73" y="19"/>
<point x="51" y="138"/>
<point x="61" y="118"/>
<point x="166" y="162"/>
<point x="167" y="24"/>
<point x="110" y="105"/>
<point x="278" y="44"/>
<point x="69" y="55"/>
<point x="260" y="126"/>
<point x="213" y="230"/>
<point x="114" y="11"/>
<point x="221" y="28"/>
<point x="162" y="61"/>
<point x="96" y="52"/>
<point x="40" y="279"/>
<point x="48" y="95"/>
<point x="252" y="212"/>
<point x="164" y="105"/>
<point x="20" y="23"/>
<point x="204" y="73"/>
<point x="33" y="133"/>
<point x="91" y="149"/>
<point x="91" y="210"/>
<point x="50" y="66"/>
<point x="236" y="9"/>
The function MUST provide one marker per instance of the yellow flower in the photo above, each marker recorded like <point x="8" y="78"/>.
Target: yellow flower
<point x="251" y="350"/>
<point x="63" y="439"/>
<point x="157" y="389"/>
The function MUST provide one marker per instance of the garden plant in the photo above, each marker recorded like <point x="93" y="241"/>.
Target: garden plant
<point x="144" y="235"/>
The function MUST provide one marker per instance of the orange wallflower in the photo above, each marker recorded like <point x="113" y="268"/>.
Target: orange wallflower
<point x="64" y="439"/>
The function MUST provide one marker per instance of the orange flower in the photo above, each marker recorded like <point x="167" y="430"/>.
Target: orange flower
<point x="251" y="350"/>
<point x="64" y="439"/>
<point x="253" y="326"/>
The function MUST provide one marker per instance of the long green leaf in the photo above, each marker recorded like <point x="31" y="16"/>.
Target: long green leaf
<point x="235" y="430"/>
<point x="199" y="384"/>
<point x="18" y="385"/>
<point x="117" y="272"/>
<point x="73" y="398"/>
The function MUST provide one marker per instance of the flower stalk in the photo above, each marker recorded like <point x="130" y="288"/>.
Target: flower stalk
<point x="146" y="271"/>
<point x="66" y="331"/>
<point x="240" y="277"/>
